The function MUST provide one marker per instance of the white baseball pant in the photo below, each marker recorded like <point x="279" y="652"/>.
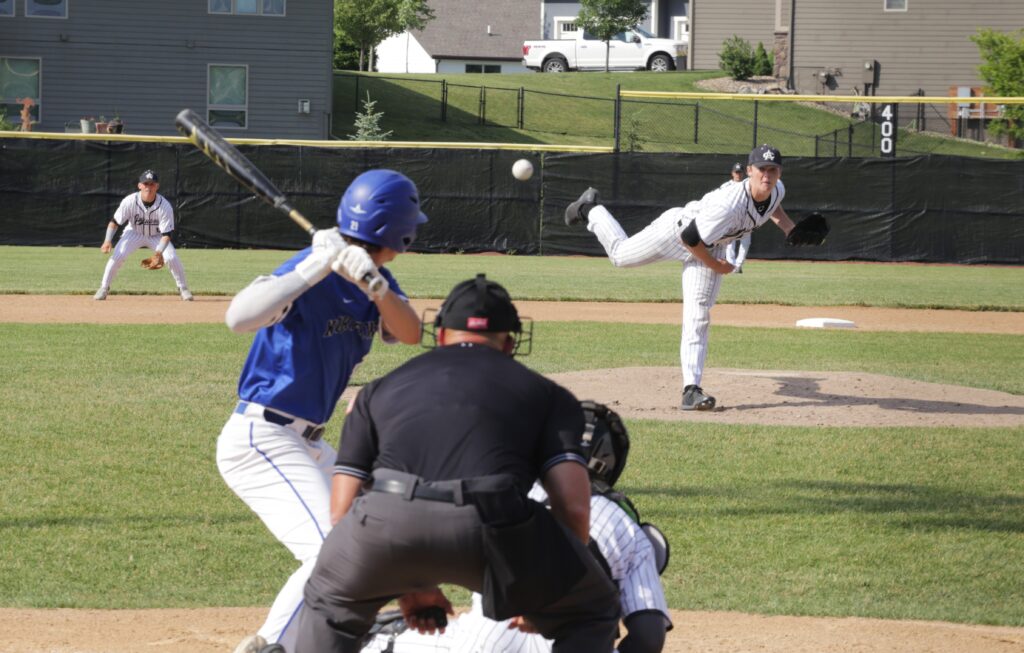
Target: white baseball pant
<point x="659" y="241"/>
<point x="131" y="241"/>
<point x="286" y="480"/>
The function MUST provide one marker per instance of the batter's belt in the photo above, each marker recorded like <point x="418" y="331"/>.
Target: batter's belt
<point x="308" y="430"/>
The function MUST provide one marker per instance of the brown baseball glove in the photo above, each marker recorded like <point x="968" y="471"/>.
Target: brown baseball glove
<point x="154" y="262"/>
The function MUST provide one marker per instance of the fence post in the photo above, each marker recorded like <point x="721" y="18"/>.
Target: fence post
<point x="444" y="100"/>
<point x="696" y="120"/>
<point x="816" y="137"/>
<point x="520" y="101"/>
<point x="755" y="124"/>
<point x="482" y="111"/>
<point x="849" y="140"/>
<point x="617" y="115"/>
<point x="835" y="143"/>
<point x="355" y="96"/>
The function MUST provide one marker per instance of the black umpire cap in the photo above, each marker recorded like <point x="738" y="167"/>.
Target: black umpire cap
<point x="149" y="176"/>
<point x="764" y="155"/>
<point x="478" y="305"/>
<point x="737" y="167"/>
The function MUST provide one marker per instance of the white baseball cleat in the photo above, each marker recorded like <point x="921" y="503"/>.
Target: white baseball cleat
<point x="251" y="644"/>
<point x="186" y="295"/>
<point x="101" y="294"/>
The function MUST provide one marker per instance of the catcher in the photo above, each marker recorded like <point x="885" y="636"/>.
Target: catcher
<point x="697" y="235"/>
<point x="148" y="220"/>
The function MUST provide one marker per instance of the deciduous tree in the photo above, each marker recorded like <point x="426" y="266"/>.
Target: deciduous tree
<point x="606" y="18"/>
<point x="1003" y="72"/>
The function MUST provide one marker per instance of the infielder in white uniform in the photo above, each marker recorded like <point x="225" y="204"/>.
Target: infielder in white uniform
<point x="736" y="252"/>
<point x="624" y="546"/>
<point x="148" y="220"/>
<point x="696" y="234"/>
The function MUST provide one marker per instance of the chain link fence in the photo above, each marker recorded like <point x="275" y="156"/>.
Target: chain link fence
<point x="685" y="122"/>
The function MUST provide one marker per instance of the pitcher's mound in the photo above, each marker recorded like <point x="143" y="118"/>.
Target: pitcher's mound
<point x="797" y="398"/>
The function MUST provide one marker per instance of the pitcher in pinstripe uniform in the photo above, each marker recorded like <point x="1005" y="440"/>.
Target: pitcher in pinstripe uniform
<point x="696" y="234"/>
<point x="148" y="220"/>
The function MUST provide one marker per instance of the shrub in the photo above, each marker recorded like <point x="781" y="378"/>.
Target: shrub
<point x="737" y="58"/>
<point x="763" y="64"/>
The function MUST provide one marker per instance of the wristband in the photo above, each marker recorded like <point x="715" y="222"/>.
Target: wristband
<point x="160" y="248"/>
<point x="314" y="267"/>
<point x="110" y="233"/>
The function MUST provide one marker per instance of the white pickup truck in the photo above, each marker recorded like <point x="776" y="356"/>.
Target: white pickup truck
<point x="630" y="50"/>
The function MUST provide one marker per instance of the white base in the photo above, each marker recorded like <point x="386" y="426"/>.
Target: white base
<point x="825" y="323"/>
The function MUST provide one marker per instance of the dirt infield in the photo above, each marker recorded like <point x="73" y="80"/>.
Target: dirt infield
<point x="217" y="630"/>
<point x="745" y="396"/>
<point x="164" y="309"/>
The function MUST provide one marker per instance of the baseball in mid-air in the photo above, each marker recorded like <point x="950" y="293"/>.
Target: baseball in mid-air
<point x="522" y="169"/>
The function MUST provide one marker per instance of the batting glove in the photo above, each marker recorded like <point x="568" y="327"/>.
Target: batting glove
<point x="329" y="241"/>
<point x="355" y="264"/>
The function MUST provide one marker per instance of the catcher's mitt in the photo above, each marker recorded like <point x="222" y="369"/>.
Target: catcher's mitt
<point x="154" y="262"/>
<point x="809" y="231"/>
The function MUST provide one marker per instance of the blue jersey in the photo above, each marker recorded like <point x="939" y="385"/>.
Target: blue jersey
<point x="302" y="364"/>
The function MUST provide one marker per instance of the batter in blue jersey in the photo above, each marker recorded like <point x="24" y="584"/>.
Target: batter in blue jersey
<point x="315" y="319"/>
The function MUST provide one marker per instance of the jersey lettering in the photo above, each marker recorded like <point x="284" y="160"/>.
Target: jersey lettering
<point x="345" y="323"/>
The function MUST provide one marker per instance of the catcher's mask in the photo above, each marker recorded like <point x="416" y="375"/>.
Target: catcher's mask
<point x="605" y="443"/>
<point x="482" y="306"/>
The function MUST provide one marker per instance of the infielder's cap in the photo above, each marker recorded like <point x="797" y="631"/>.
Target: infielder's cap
<point x="737" y="167"/>
<point x="478" y="305"/>
<point x="149" y="176"/>
<point x="764" y="155"/>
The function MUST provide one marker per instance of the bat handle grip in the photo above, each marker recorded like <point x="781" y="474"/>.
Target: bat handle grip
<point x="374" y="282"/>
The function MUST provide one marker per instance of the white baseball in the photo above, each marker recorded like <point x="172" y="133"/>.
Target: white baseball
<point x="522" y="169"/>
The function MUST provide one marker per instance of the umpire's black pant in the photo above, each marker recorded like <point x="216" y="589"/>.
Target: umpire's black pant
<point x="387" y="545"/>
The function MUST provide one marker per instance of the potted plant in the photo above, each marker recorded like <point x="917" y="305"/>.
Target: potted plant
<point x="115" y="126"/>
<point x="88" y="125"/>
<point x="101" y="125"/>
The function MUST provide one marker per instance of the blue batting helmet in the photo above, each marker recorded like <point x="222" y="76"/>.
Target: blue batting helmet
<point x="381" y="207"/>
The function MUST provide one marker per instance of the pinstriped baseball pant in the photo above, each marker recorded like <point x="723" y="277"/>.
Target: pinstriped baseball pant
<point x="131" y="241"/>
<point x="659" y="241"/>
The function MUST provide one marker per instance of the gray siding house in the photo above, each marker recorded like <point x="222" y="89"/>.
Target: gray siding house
<point x="489" y="38"/>
<point x="253" y="68"/>
<point x="911" y="45"/>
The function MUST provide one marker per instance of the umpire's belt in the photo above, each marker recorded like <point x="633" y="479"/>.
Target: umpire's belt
<point x="308" y="430"/>
<point x="459" y="492"/>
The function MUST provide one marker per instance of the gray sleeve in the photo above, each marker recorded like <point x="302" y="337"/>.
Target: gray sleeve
<point x="264" y="302"/>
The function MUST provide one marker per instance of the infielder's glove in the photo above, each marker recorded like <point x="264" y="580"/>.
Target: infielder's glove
<point x="154" y="262"/>
<point x="809" y="231"/>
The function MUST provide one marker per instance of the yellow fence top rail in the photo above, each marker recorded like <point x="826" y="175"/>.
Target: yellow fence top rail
<point x="873" y="99"/>
<point x="141" y="138"/>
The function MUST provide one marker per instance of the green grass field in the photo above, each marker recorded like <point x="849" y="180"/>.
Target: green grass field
<point x="110" y="497"/>
<point x="572" y="278"/>
<point x="412" y="110"/>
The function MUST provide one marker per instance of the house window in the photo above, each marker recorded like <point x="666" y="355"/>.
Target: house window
<point x="482" y="68"/>
<point x="228" y="96"/>
<point x="46" y="8"/>
<point x="895" y="5"/>
<point x="565" y="27"/>
<point x="19" y="79"/>
<point x="6" y="7"/>
<point x="247" y="7"/>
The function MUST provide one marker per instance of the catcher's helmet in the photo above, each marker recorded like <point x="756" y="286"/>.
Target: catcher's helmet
<point x="605" y="443"/>
<point x="381" y="207"/>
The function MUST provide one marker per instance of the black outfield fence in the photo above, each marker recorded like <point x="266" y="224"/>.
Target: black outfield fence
<point x="57" y="191"/>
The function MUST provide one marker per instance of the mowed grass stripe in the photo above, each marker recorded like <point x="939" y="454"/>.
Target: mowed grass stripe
<point x="796" y="283"/>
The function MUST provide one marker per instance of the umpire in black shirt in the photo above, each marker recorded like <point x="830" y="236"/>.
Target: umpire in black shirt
<point x="430" y="487"/>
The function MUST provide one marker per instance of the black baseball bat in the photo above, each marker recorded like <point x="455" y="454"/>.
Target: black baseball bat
<point x="230" y="160"/>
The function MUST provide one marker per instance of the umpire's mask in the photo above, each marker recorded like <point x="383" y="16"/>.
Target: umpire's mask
<point x="482" y="306"/>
